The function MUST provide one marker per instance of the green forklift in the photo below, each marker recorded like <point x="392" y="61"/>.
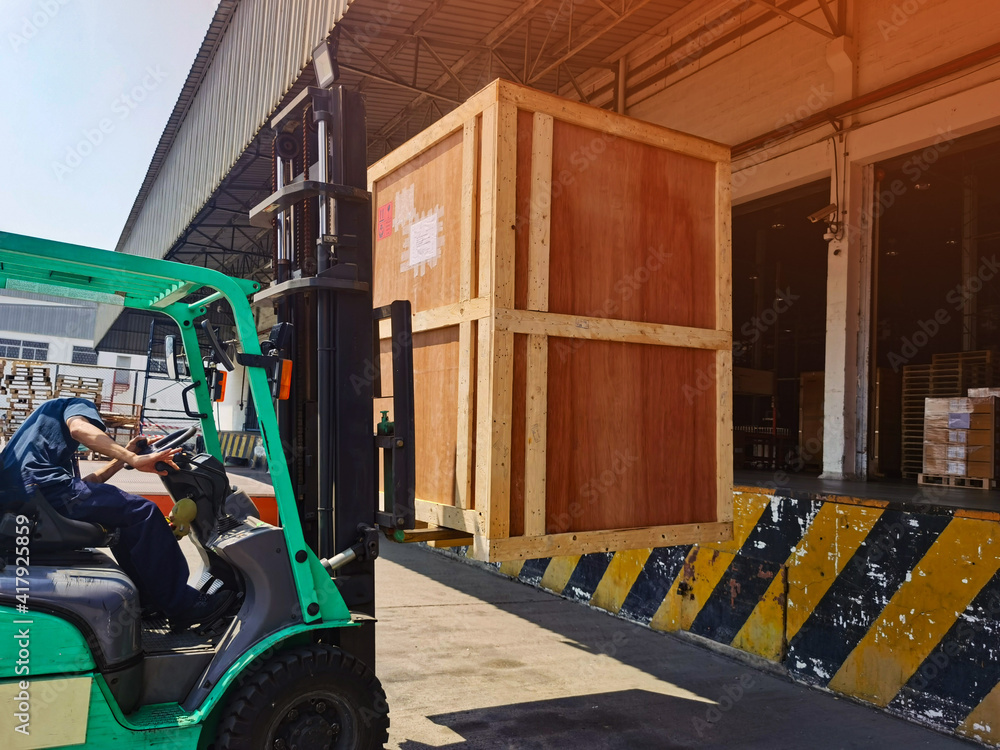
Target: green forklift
<point x="294" y="667"/>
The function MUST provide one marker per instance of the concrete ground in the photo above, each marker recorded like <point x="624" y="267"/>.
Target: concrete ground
<point x="472" y="660"/>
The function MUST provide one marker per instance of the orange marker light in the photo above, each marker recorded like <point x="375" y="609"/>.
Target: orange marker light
<point x="286" y="380"/>
<point x="220" y="385"/>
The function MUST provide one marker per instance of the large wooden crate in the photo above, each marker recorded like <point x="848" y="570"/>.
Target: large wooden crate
<point x="569" y="270"/>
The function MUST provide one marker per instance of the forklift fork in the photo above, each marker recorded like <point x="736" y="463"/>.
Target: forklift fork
<point x="396" y="438"/>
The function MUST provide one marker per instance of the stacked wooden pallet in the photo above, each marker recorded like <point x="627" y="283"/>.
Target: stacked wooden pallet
<point x="953" y="374"/>
<point x="916" y="389"/>
<point x="949" y="375"/>
<point x="80" y="386"/>
<point x="25" y="385"/>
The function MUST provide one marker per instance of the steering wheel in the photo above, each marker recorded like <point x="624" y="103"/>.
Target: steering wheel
<point x="174" y="440"/>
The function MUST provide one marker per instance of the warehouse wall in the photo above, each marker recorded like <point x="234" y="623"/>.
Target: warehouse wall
<point x="898" y="608"/>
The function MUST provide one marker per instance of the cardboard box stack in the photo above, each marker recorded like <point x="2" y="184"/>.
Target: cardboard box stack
<point x="960" y="436"/>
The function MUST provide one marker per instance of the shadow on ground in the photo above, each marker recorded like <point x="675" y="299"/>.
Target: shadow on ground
<point x="474" y="660"/>
<point x="623" y="720"/>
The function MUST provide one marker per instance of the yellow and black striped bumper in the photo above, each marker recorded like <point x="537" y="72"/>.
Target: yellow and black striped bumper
<point x="238" y="444"/>
<point x="898" y="607"/>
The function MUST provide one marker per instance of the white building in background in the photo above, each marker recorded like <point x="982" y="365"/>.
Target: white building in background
<point x="50" y="331"/>
<point x="61" y="334"/>
<point x="41" y="329"/>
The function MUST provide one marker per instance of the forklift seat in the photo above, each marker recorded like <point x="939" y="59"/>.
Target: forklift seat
<point x="52" y="531"/>
<point x="95" y="595"/>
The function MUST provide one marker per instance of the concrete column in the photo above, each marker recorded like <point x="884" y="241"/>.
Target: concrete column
<point x="848" y="296"/>
<point x="842" y="434"/>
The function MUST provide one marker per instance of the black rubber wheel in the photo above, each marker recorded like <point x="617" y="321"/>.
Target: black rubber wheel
<point x="310" y="698"/>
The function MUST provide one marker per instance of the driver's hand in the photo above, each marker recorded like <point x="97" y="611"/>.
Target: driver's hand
<point x="134" y="444"/>
<point x="148" y="461"/>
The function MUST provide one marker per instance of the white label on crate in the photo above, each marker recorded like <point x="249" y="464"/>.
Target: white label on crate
<point x="424" y="240"/>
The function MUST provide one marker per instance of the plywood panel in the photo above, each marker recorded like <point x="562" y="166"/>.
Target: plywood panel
<point x="633" y="231"/>
<point x="626" y="446"/>
<point x="431" y="183"/>
<point x="435" y="393"/>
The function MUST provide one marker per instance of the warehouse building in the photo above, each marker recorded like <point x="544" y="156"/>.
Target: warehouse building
<point x="864" y="237"/>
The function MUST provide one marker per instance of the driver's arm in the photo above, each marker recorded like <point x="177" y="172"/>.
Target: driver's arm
<point x="111" y="468"/>
<point x="88" y="434"/>
<point x="105" y="473"/>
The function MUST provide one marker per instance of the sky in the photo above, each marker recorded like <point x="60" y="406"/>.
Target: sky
<point x="86" y="87"/>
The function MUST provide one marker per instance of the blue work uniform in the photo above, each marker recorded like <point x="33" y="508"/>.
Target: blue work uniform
<point x="41" y="456"/>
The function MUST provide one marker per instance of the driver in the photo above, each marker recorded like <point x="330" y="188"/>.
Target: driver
<point x="41" y="456"/>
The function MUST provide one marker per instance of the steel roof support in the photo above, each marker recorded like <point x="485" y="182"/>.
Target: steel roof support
<point x="774" y="8"/>
<point x="498" y="33"/>
<point x="600" y="29"/>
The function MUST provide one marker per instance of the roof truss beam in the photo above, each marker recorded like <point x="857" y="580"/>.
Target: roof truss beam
<point x="413" y="28"/>
<point x="497" y="34"/>
<point x="595" y="28"/>
<point x="774" y="8"/>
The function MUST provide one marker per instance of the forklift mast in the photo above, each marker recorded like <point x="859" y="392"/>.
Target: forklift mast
<point x="321" y="216"/>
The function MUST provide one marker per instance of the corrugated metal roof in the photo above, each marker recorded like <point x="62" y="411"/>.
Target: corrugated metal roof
<point x="206" y="53"/>
<point x="252" y="54"/>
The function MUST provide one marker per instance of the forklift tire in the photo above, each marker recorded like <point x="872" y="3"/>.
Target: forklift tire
<point x="310" y="698"/>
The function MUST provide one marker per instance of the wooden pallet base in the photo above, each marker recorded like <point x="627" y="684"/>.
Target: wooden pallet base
<point x="947" y="480"/>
